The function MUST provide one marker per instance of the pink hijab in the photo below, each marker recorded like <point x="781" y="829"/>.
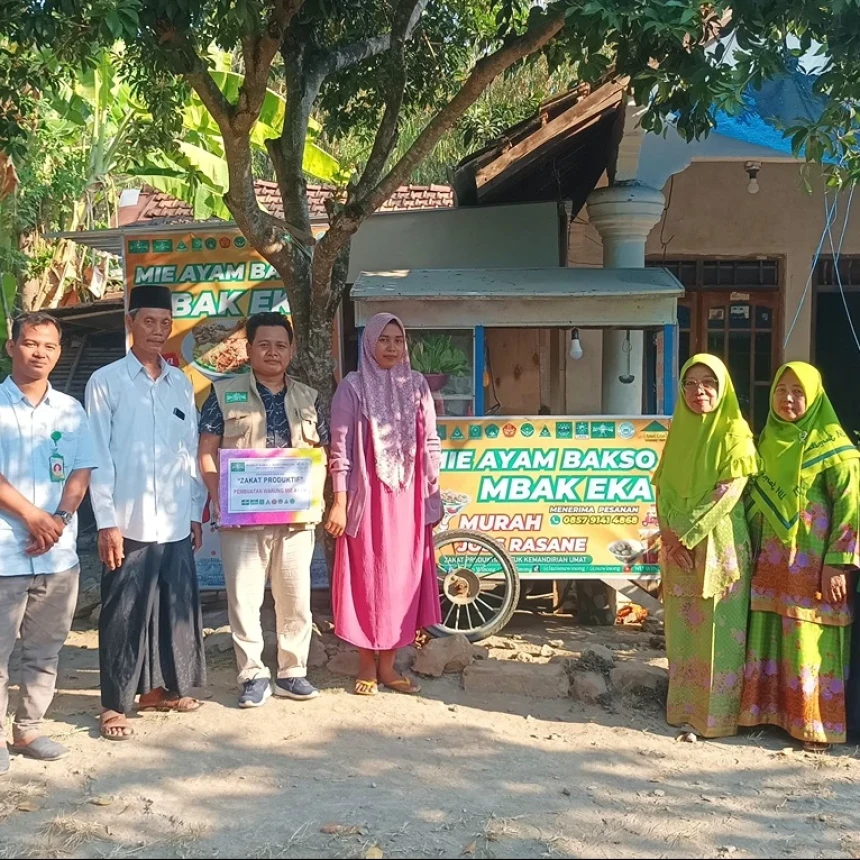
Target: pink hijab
<point x="390" y="401"/>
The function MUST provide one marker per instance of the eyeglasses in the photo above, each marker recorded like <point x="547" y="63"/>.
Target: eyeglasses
<point x="709" y="385"/>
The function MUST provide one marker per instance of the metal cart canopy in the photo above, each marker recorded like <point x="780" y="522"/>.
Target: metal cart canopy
<point x="517" y="298"/>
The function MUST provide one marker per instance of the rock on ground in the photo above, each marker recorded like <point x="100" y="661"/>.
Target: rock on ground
<point x="589" y="687"/>
<point x="220" y="640"/>
<point x="89" y="594"/>
<point x="640" y="678"/>
<point x="317" y="656"/>
<point x="405" y="658"/>
<point x="447" y="654"/>
<point x="344" y="663"/>
<point x="597" y="657"/>
<point x="540" y="681"/>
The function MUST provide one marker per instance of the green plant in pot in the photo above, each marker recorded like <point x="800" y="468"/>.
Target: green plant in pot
<point x="436" y="357"/>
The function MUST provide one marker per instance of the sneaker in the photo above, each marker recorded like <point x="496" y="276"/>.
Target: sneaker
<point x="254" y="693"/>
<point x="295" y="688"/>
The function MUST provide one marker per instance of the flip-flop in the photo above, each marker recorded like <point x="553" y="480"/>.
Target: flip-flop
<point x="41" y="749"/>
<point x="815" y="748"/>
<point x="366" y="688"/>
<point x="116" y="721"/>
<point x="403" y="685"/>
<point x="172" y="705"/>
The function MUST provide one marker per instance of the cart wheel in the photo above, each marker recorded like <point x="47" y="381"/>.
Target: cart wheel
<point x="479" y="586"/>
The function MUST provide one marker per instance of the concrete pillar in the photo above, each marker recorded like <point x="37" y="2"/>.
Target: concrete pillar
<point x="624" y="215"/>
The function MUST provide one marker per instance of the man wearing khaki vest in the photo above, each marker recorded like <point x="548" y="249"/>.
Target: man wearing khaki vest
<point x="265" y="408"/>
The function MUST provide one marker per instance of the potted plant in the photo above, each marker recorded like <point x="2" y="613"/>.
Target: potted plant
<point x="436" y="357"/>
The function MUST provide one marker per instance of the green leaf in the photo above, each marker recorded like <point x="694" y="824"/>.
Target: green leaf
<point x="274" y="106"/>
<point x="319" y="164"/>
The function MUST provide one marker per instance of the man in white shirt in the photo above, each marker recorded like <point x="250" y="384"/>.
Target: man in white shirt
<point x="148" y="502"/>
<point x="46" y="458"/>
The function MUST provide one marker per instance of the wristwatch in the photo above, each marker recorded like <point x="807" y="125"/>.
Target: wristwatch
<point x="65" y="516"/>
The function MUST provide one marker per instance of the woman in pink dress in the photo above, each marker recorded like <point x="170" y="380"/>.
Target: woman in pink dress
<point x="384" y="464"/>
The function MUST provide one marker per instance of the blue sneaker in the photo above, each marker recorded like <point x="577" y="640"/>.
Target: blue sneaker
<point x="295" y="688"/>
<point x="254" y="693"/>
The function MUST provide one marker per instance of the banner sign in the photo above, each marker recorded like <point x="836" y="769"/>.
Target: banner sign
<point x="268" y="487"/>
<point x="218" y="280"/>
<point x="569" y="498"/>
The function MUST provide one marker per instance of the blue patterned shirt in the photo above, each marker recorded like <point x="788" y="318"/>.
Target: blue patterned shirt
<point x="277" y="425"/>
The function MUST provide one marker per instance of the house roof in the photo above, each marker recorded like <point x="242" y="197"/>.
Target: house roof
<point x="557" y="154"/>
<point x="156" y="207"/>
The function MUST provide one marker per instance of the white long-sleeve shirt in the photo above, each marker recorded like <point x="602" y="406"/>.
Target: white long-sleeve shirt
<point x="145" y="433"/>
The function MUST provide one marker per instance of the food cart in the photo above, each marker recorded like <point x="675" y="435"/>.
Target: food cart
<point x="541" y="497"/>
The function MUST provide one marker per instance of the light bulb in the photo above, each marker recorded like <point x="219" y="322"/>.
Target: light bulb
<point x="752" y="168"/>
<point x="575" y="345"/>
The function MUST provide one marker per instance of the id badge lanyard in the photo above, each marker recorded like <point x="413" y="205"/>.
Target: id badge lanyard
<point x="56" y="463"/>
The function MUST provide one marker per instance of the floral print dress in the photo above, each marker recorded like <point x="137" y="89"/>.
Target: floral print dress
<point x="706" y="612"/>
<point x="798" y="643"/>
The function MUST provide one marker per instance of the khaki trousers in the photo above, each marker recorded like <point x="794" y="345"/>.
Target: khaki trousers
<point x="281" y="554"/>
<point x="39" y="608"/>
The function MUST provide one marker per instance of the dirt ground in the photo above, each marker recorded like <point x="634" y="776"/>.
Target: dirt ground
<point x="449" y="774"/>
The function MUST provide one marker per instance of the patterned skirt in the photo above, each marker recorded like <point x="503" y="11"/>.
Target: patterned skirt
<point x="795" y="677"/>
<point x="706" y="646"/>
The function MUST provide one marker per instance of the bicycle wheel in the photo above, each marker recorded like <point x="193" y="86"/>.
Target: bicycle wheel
<point x="479" y="586"/>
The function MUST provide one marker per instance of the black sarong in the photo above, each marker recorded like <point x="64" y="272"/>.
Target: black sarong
<point x="150" y="626"/>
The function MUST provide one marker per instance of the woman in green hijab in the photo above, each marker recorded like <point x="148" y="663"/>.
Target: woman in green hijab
<point x="805" y="524"/>
<point x="706" y="558"/>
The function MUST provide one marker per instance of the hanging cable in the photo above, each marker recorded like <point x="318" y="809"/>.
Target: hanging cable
<point x="829" y="215"/>
<point x="837" y="252"/>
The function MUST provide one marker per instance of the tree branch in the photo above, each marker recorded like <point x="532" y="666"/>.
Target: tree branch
<point x="345" y="56"/>
<point x="485" y="72"/>
<point x="288" y="150"/>
<point x="386" y="134"/>
<point x="259" y="51"/>
<point x="187" y="63"/>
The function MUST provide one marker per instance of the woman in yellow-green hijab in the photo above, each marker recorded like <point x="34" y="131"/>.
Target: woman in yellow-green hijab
<point x="706" y="558"/>
<point x="805" y="523"/>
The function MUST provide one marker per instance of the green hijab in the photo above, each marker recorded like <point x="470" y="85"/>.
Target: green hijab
<point x="704" y="450"/>
<point x="794" y="453"/>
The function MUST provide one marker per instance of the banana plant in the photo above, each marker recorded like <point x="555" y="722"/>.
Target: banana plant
<point x="101" y="117"/>
<point x="104" y="105"/>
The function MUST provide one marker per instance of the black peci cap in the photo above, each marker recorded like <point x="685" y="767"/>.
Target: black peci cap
<point x="150" y="296"/>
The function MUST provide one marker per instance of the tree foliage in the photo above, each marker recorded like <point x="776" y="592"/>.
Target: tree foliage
<point x="510" y="99"/>
<point x="373" y="63"/>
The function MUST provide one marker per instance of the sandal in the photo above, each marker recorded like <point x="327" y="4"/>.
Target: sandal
<point x="366" y="688"/>
<point x="171" y="704"/>
<point x="403" y="685"/>
<point x="816" y="748"/>
<point x="117" y="721"/>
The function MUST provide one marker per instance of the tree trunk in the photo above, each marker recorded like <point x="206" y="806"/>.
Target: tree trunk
<point x="313" y="361"/>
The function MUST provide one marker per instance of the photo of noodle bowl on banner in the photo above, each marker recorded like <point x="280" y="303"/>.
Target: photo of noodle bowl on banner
<point x="452" y="504"/>
<point x="217" y="349"/>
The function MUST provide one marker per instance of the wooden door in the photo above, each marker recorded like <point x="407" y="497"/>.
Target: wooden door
<point x="741" y="328"/>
